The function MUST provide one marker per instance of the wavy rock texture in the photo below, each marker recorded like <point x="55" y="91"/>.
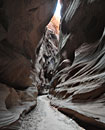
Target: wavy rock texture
<point x="13" y="103"/>
<point x="64" y="4"/>
<point x="46" y="53"/>
<point x="22" y="23"/>
<point x="79" y="89"/>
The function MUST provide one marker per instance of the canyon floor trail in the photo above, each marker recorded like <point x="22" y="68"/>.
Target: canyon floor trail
<point x="46" y="117"/>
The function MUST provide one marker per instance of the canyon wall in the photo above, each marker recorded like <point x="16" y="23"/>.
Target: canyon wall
<point x="31" y="58"/>
<point x="22" y="24"/>
<point x="78" y="84"/>
<point x="46" y="53"/>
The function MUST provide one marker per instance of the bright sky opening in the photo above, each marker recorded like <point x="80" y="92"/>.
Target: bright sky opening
<point x="58" y="9"/>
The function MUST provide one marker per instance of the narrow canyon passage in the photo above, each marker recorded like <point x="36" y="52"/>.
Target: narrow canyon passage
<point x="45" y="117"/>
<point x="54" y="45"/>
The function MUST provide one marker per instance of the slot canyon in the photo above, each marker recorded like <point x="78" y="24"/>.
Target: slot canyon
<point x="52" y="67"/>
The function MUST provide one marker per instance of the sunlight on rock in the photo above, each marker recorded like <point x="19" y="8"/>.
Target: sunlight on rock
<point x="55" y="21"/>
<point x="58" y="9"/>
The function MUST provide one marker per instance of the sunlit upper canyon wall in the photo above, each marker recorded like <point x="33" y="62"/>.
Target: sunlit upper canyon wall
<point x="55" y="21"/>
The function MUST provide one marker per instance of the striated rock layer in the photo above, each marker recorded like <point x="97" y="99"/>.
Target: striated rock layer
<point x="46" y="52"/>
<point x="78" y="84"/>
<point x="22" y="23"/>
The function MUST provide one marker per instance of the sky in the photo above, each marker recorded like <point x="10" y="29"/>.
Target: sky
<point x="57" y="11"/>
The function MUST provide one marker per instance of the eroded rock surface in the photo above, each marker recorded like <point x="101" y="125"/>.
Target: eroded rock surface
<point x="79" y="88"/>
<point x="22" y="23"/>
<point x="46" y="52"/>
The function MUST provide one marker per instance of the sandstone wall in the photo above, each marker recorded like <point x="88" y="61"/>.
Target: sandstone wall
<point x="22" y="23"/>
<point x="79" y="87"/>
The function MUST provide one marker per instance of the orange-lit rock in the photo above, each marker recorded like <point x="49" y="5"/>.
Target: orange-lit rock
<point x="54" y="25"/>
